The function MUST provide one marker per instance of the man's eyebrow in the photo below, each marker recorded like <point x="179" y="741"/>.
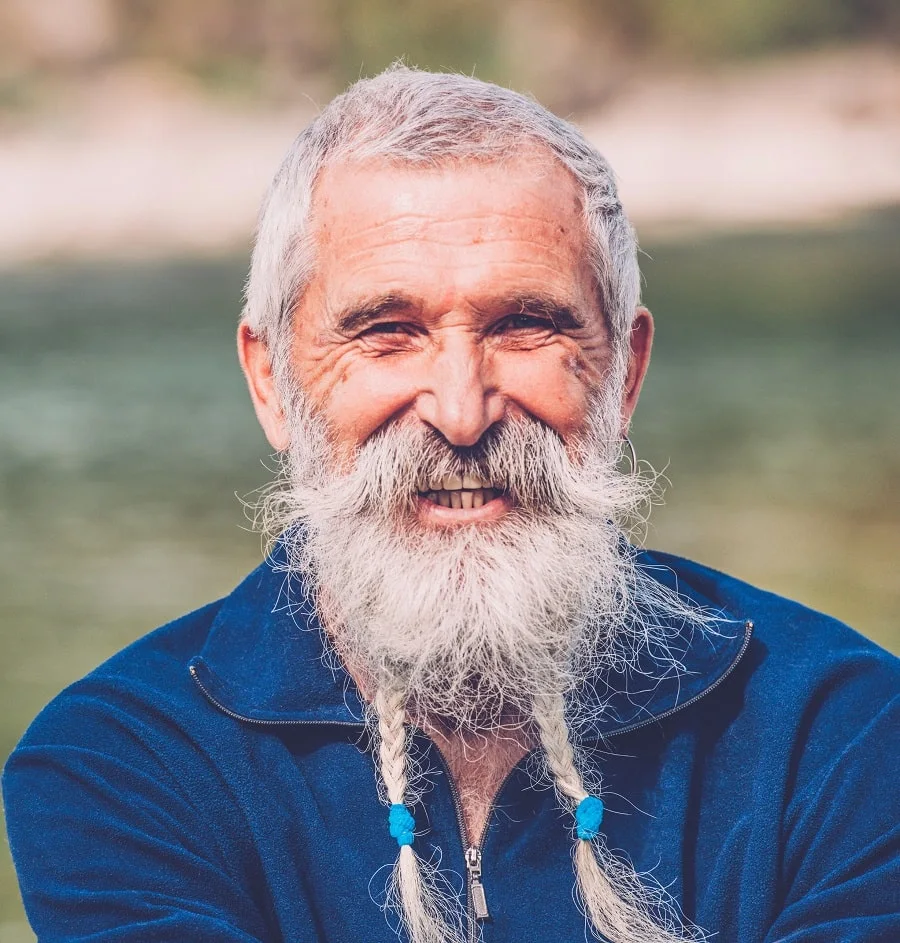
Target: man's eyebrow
<point x="359" y="315"/>
<point x="561" y="314"/>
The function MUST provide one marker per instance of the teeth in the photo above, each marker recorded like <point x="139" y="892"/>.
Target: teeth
<point x="465" y="494"/>
<point x="462" y="498"/>
<point x="453" y="483"/>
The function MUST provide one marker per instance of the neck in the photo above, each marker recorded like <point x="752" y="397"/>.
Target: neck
<point x="479" y="762"/>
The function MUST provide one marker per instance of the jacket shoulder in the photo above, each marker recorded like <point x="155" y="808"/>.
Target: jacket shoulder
<point x="151" y="672"/>
<point x="807" y="684"/>
<point x="782" y="624"/>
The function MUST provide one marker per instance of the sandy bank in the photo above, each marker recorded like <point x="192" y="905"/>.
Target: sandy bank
<point x="140" y="165"/>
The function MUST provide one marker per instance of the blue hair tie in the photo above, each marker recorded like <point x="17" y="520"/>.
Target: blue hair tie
<point x="402" y="824"/>
<point x="588" y="816"/>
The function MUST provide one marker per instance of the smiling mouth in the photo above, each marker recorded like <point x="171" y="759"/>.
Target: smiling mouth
<point x="463" y="492"/>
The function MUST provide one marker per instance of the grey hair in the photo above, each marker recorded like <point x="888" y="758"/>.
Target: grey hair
<point x="427" y="119"/>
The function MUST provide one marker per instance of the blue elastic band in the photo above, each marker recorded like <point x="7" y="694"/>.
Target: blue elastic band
<point x="588" y="816"/>
<point x="403" y="825"/>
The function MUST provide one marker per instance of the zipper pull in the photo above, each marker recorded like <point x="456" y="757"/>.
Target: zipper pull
<point x="473" y="866"/>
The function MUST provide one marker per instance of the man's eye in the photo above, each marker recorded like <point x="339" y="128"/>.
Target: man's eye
<point x="526" y="322"/>
<point x="387" y="328"/>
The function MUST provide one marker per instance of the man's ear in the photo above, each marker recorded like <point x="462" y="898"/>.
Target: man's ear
<point x="640" y="342"/>
<point x="257" y="366"/>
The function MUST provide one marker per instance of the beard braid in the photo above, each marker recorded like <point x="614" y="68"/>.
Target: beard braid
<point x="473" y="622"/>
<point x="488" y="624"/>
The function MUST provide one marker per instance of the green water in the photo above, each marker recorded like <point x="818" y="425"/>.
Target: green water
<point x="773" y="400"/>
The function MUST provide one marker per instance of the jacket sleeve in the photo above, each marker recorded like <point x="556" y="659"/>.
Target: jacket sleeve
<point x="842" y="855"/>
<point x="107" y="841"/>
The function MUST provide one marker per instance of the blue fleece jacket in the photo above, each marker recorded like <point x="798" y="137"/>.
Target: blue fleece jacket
<point x="213" y="782"/>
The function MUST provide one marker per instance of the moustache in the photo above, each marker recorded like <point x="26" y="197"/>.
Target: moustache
<point x="520" y="458"/>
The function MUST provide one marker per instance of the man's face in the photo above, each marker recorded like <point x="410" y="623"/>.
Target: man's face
<point x="455" y="298"/>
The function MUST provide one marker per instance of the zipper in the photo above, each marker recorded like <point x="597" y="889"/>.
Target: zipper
<point x="471" y="910"/>
<point x="476" y="888"/>
<point x="477" y="910"/>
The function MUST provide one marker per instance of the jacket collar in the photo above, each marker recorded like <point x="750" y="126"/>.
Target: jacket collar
<point x="265" y="660"/>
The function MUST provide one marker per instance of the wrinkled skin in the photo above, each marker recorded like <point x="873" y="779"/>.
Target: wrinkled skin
<point x="454" y="297"/>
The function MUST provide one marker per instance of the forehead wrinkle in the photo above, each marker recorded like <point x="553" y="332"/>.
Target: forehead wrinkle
<point x="439" y="233"/>
<point x="322" y="215"/>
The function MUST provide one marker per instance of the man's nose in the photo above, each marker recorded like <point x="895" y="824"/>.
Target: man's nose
<point x="458" y="397"/>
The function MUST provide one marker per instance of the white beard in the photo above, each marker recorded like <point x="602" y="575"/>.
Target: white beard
<point x="472" y="622"/>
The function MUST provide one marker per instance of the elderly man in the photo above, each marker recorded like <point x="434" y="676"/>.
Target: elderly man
<point x="455" y="692"/>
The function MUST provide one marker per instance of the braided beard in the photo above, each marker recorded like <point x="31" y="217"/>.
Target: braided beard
<point x="480" y="627"/>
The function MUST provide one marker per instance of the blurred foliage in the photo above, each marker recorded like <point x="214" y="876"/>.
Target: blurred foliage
<point x="453" y="35"/>
<point x="264" y="48"/>
<point x="727" y="28"/>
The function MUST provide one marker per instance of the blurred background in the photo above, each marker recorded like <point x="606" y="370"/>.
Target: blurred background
<point x="758" y="148"/>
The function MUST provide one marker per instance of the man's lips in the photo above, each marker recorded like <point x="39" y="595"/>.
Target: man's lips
<point x="498" y="504"/>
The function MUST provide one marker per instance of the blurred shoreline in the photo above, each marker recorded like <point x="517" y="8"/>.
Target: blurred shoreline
<point x="140" y="163"/>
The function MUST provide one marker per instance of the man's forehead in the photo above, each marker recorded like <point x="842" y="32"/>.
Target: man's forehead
<point x="473" y="234"/>
<point x="475" y="228"/>
<point x="390" y="183"/>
